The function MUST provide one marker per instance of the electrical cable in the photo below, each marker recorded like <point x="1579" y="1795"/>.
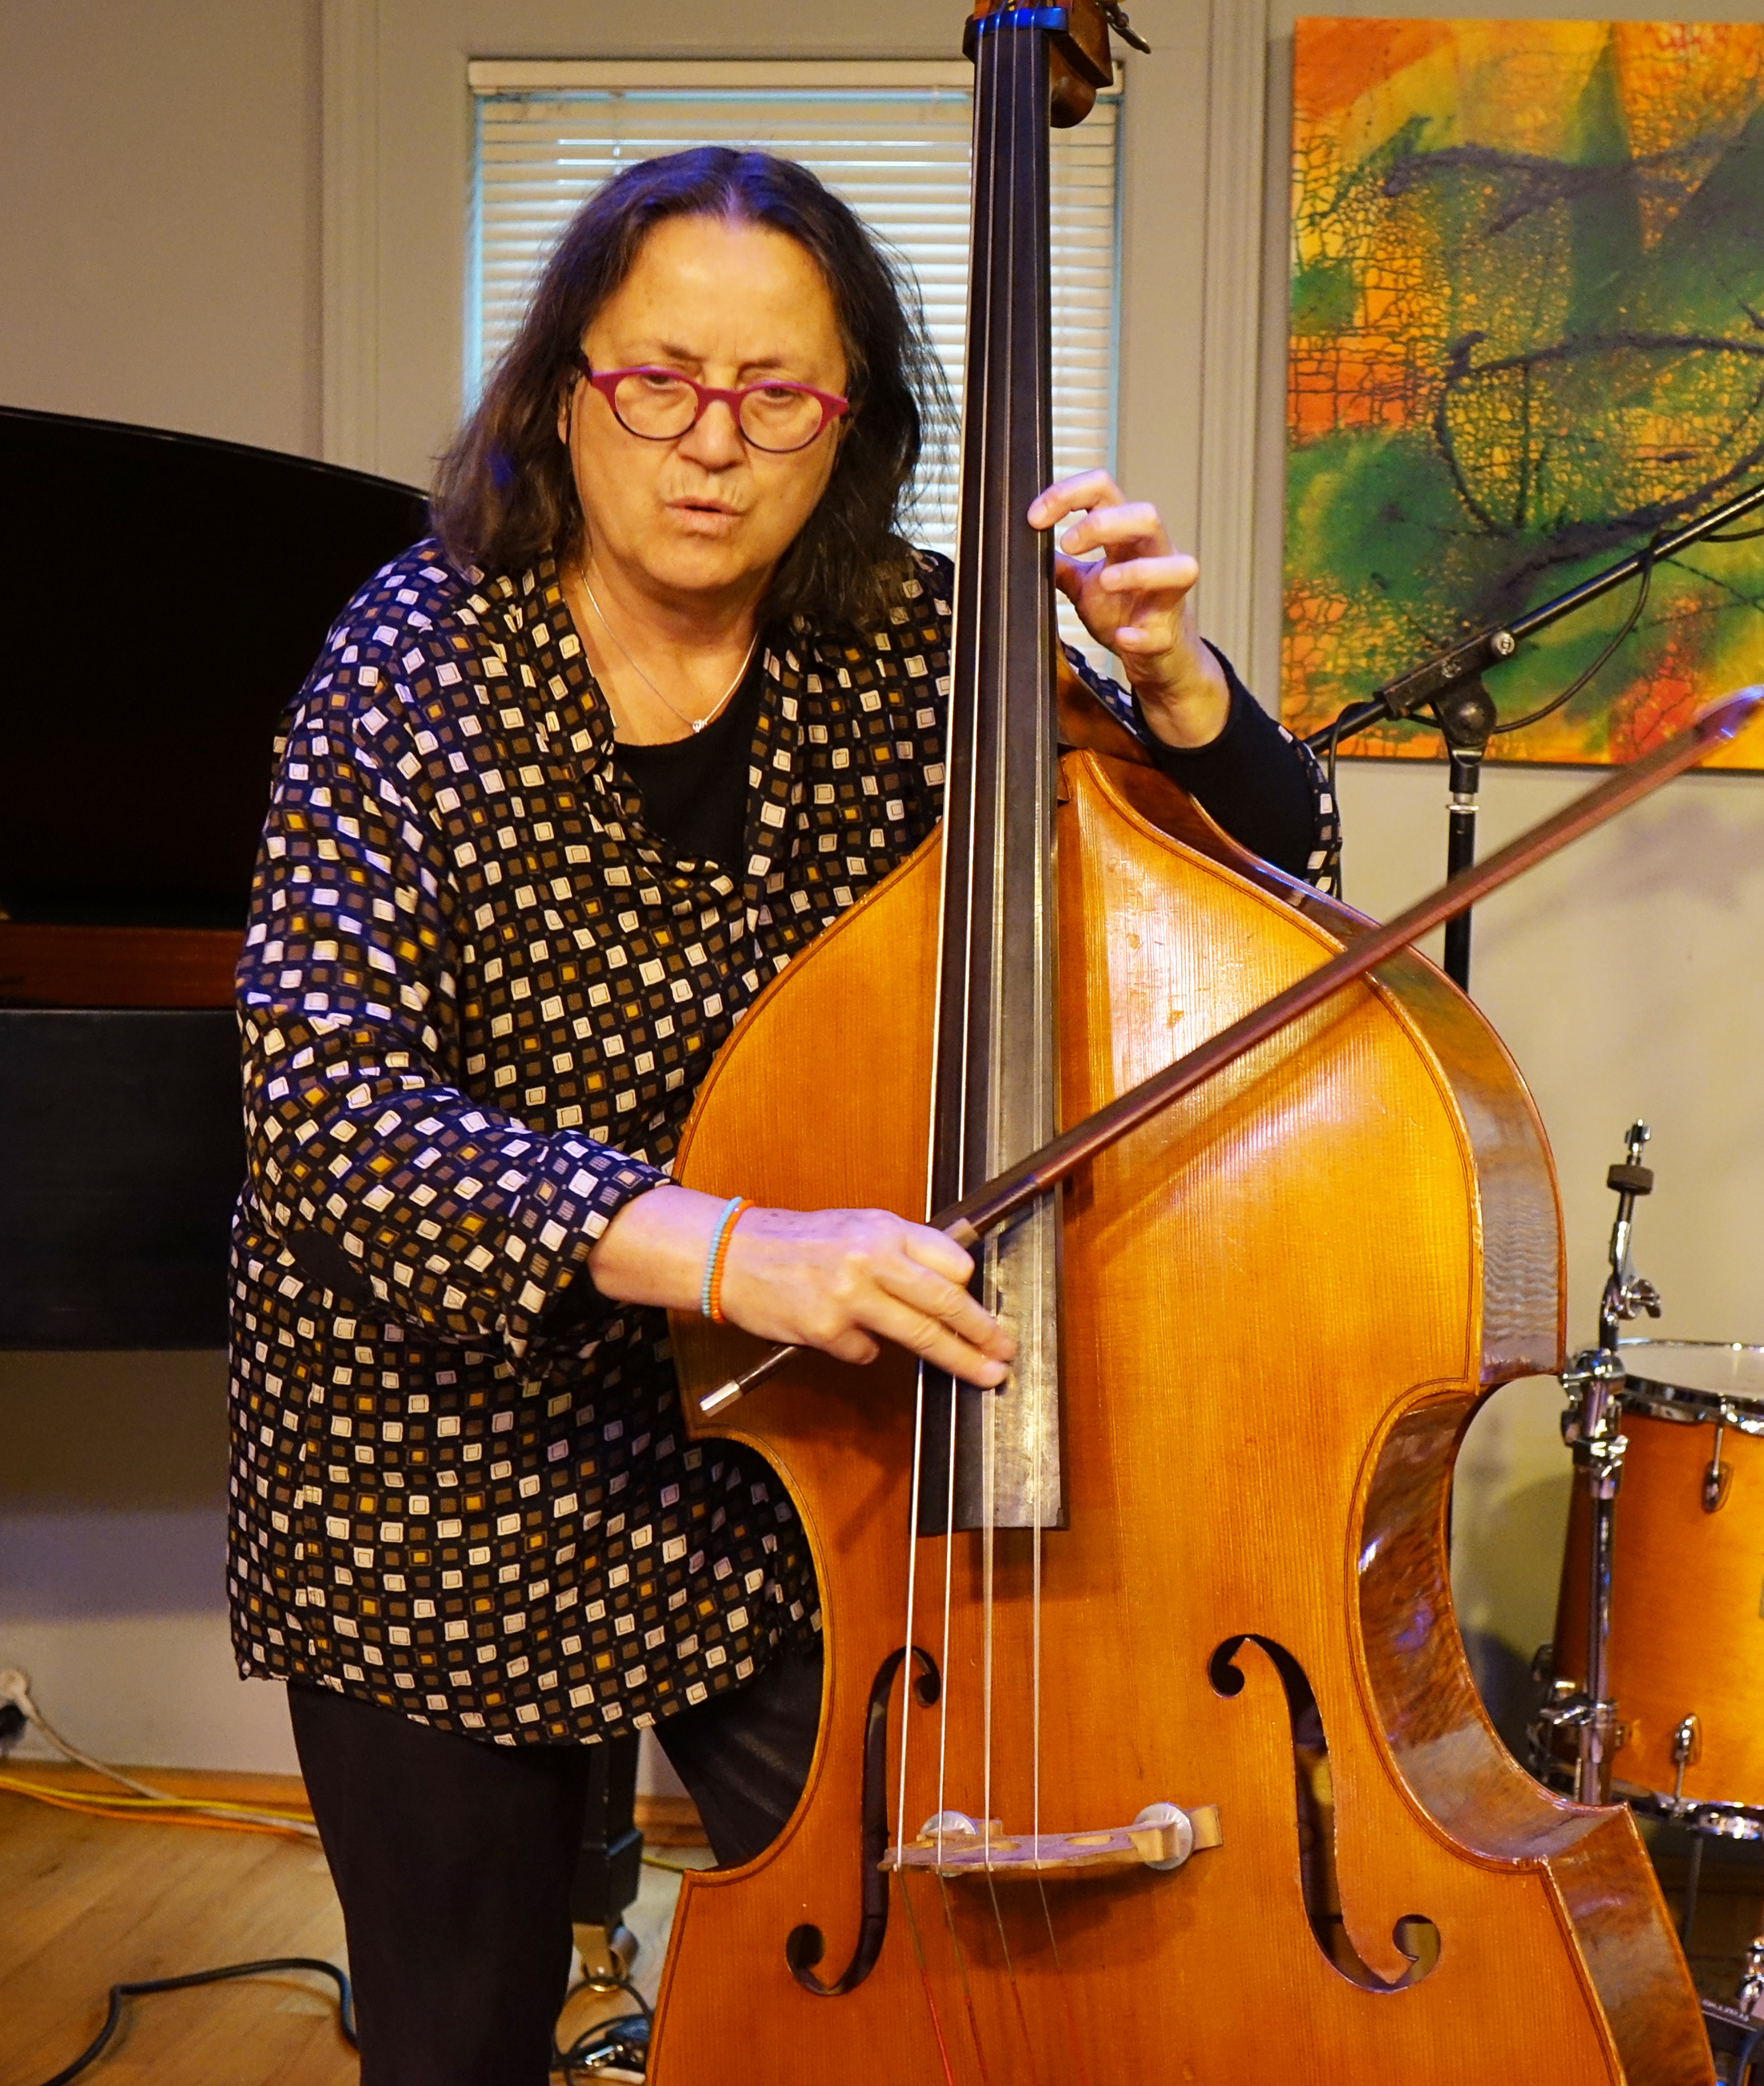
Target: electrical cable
<point x="345" y="2004"/>
<point x="610" y="2049"/>
<point x="1646" y="571"/>
<point x="272" y="1816"/>
<point x="617" y="2049"/>
<point x="1646" y="560"/>
<point x="673" y="1868"/>
<point x="16" y="1689"/>
<point x="143" y="1800"/>
<point x="145" y="1811"/>
<point x="142" y="1803"/>
<point x="1328" y="770"/>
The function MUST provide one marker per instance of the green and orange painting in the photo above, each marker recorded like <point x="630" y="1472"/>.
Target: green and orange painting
<point x="1527" y="335"/>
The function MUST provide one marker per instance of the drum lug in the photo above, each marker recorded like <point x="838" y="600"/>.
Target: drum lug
<point x="1718" y="1479"/>
<point x="1687" y="1750"/>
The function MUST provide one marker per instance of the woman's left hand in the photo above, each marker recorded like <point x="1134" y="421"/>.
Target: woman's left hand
<point x="1135" y="598"/>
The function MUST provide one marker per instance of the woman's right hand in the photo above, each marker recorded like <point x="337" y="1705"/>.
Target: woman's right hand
<point x="841" y="1280"/>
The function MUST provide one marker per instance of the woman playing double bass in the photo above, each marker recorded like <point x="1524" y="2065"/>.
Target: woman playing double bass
<point x="569" y="784"/>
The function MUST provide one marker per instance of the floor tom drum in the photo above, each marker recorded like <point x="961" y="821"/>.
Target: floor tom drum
<point x="1687" y="1596"/>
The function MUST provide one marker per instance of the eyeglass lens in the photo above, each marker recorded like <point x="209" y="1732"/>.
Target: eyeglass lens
<point x="773" y="416"/>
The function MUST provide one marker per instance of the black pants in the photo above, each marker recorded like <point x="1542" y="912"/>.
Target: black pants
<point x="453" y="1860"/>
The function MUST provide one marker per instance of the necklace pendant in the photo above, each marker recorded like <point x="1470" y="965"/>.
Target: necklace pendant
<point x="698" y="724"/>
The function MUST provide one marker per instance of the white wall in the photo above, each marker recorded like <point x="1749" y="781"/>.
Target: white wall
<point x="159" y="238"/>
<point x="159" y="250"/>
<point x="397" y="143"/>
<point x="163" y="247"/>
<point x="113" y="1547"/>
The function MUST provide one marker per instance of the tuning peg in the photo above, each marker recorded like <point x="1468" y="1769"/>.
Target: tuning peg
<point x="1116" y="15"/>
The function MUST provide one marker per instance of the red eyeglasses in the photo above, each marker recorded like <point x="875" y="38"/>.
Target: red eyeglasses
<point x="660" y="405"/>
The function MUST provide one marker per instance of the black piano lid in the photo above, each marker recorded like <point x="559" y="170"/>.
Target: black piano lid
<point x="171" y="592"/>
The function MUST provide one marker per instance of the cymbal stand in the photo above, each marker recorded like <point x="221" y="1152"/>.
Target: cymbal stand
<point x="1591" y="1427"/>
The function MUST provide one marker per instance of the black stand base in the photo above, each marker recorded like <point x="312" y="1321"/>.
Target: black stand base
<point x="610" y="1866"/>
<point x="1733" y="2038"/>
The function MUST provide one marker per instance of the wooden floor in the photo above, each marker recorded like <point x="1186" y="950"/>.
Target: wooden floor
<point x="86" y="1903"/>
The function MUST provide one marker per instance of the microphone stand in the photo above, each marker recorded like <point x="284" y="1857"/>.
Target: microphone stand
<point x="1450" y="686"/>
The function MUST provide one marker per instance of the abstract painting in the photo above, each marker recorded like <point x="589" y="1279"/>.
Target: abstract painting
<point x="1527" y="335"/>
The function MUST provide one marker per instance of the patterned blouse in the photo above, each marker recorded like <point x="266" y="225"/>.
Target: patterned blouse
<point x="477" y="997"/>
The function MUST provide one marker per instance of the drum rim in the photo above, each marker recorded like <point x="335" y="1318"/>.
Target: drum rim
<point x="1658" y="1398"/>
<point x="1715" y="1818"/>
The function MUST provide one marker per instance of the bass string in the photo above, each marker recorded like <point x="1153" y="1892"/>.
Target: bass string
<point x="984" y="209"/>
<point x="1048" y="663"/>
<point x="989" y="1478"/>
<point x="1046" y="642"/>
<point x="1036" y="1449"/>
<point x="943" y="1699"/>
<point x="924" y="1978"/>
<point x="961" y="1973"/>
<point x="1047" y="750"/>
<point x="996" y="51"/>
<point x="1016" y="1989"/>
<point x="1027" y="118"/>
<point x="960" y="718"/>
<point x="1001" y="354"/>
<point x="1023" y="110"/>
<point x="1020" y="60"/>
<point x="1074" y="2042"/>
<point x="1048" y="666"/>
<point x="912" y="1583"/>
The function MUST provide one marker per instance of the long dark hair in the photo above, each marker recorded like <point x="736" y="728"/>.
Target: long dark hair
<point x="504" y="493"/>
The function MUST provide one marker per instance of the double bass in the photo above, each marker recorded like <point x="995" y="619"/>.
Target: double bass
<point x="1148" y="1748"/>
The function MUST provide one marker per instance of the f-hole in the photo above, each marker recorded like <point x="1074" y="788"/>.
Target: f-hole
<point x="1416" y="1936"/>
<point x="803" y="1946"/>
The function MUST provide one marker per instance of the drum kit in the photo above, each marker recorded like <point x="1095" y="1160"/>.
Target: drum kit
<point x="1652" y="1684"/>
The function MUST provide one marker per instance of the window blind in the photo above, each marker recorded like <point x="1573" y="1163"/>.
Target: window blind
<point x="892" y="139"/>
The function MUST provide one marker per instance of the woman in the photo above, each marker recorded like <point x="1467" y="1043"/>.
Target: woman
<point x="566" y="789"/>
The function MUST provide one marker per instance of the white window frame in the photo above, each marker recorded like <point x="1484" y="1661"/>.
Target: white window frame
<point x="396" y="163"/>
<point x="760" y="78"/>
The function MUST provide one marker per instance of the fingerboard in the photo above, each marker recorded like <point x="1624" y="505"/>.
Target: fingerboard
<point x="995" y="1077"/>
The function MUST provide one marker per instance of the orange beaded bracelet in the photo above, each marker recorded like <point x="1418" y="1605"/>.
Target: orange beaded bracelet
<point x="713" y="1267"/>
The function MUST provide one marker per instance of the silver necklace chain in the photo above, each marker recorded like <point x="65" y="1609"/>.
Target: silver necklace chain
<point x="698" y="724"/>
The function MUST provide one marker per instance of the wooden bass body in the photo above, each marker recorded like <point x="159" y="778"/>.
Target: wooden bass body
<point x="1282" y="1301"/>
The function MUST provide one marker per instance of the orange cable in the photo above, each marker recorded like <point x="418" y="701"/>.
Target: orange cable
<point x="97" y="1807"/>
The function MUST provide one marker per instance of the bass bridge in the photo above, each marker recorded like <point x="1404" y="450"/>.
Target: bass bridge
<point x="1162" y="1837"/>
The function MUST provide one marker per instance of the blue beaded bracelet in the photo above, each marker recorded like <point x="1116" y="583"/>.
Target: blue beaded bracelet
<point x="731" y="1210"/>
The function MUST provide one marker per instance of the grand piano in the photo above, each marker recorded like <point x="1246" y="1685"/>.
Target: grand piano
<point x="175" y="592"/>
